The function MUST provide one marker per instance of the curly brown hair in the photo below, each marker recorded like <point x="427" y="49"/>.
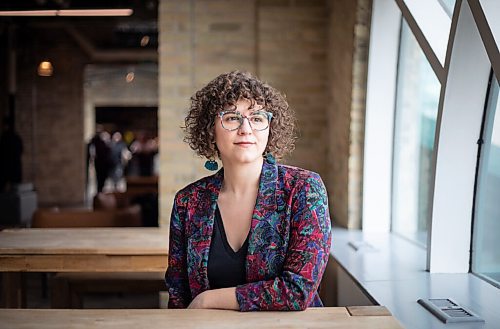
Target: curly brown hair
<point x="226" y="90"/>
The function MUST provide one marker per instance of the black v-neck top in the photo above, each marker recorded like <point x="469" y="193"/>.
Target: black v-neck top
<point x="226" y="268"/>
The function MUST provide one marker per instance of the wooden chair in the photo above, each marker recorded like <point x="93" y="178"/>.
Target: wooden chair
<point x="67" y="218"/>
<point x="137" y="185"/>
<point x="112" y="200"/>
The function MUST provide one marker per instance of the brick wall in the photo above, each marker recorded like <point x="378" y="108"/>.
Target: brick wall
<point x="282" y="42"/>
<point x="292" y="57"/>
<point x="49" y="116"/>
<point x="341" y="46"/>
<point x="358" y="110"/>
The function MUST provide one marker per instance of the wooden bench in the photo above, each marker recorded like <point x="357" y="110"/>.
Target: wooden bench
<point x="68" y="289"/>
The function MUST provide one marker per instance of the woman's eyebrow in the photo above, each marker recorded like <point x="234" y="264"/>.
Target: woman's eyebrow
<point x="256" y="110"/>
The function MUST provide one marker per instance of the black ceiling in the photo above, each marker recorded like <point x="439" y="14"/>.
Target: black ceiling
<point x="103" y="32"/>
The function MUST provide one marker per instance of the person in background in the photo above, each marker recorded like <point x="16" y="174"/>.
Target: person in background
<point x="119" y="155"/>
<point x="98" y="153"/>
<point x="144" y="150"/>
<point x="256" y="235"/>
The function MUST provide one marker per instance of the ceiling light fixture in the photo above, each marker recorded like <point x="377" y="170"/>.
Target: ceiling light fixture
<point x="95" y="12"/>
<point x="45" y="69"/>
<point x="130" y="77"/>
<point x="69" y="12"/>
<point x="29" y="13"/>
<point x="144" y="41"/>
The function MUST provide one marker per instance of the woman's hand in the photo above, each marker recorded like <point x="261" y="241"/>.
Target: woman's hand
<point x="199" y="301"/>
<point x="224" y="299"/>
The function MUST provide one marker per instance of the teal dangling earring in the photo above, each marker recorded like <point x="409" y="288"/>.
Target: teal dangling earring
<point x="211" y="165"/>
<point x="270" y="158"/>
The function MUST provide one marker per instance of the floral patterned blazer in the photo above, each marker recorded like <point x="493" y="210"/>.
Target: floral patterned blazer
<point x="289" y="242"/>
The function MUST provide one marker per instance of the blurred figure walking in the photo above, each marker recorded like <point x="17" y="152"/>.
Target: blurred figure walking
<point x="99" y="154"/>
<point x="120" y="155"/>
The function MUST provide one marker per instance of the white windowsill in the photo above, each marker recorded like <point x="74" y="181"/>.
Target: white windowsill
<point x="391" y="271"/>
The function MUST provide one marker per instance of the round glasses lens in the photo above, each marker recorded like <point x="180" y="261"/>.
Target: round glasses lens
<point x="231" y="120"/>
<point x="258" y="120"/>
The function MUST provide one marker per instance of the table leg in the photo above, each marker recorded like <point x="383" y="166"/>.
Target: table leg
<point x="13" y="290"/>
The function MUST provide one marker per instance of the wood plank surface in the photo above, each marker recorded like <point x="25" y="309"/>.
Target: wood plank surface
<point x="83" y="263"/>
<point x="328" y="317"/>
<point x="78" y="241"/>
<point x="368" y="310"/>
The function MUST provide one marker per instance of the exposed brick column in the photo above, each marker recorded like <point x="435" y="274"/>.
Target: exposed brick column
<point x="348" y="59"/>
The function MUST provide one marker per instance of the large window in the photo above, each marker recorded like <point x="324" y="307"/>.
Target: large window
<point x="415" y="121"/>
<point x="486" y="244"/>
<point x="422" y="179"/>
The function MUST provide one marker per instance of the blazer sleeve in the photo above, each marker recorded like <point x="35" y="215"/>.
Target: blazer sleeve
<point x="306" y="259"/>
<point x="176" y="276"/>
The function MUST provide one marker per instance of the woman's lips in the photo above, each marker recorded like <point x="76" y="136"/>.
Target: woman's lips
<point x="244" y="144"/>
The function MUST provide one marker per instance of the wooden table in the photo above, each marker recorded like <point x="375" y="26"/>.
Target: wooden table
<point x="78" y="250"/>
<point x="328" y="317"/>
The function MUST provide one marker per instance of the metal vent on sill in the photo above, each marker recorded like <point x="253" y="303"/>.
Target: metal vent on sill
<point x="448" y="311"/>
<point x="361" y="246"/>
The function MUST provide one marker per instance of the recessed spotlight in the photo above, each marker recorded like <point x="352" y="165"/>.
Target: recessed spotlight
<point x="144" y="41"/>
<point x="130" y="77"/>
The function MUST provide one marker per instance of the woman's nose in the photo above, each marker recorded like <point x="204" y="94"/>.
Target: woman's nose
<point x="245" y="127"/>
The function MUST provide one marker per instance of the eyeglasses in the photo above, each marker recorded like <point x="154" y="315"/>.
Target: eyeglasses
<point x="232" y="120"/>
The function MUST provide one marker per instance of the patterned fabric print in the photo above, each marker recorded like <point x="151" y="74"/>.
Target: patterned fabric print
<point x="288" y="247"/>
<point x="176" y="275"/>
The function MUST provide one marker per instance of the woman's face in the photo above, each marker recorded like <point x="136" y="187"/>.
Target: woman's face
<point x="243" y="145"/>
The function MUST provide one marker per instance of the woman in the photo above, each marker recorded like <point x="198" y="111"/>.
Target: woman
<point x="256" y="235"/>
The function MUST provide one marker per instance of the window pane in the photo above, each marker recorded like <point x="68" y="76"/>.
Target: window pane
<point x="448" y="6"/>
<point x="486" y="243"/>
<point x="434" y="22"/>
<point x="415" y="122"/>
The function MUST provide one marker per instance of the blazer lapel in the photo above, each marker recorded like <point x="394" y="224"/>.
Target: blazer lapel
<point x="263" y="216"/>
<point x="204" y="214"/>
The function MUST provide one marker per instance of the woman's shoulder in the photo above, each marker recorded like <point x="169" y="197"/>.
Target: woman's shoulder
<point x="301" y="182"/>
<point x="195" y="187"/>
<point x="293" y="173"/>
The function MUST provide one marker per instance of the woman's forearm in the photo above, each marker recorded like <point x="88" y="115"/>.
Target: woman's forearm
<point x="224" y="298"/>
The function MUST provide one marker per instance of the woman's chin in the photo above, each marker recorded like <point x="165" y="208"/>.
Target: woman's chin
<point x="246" y="159"/>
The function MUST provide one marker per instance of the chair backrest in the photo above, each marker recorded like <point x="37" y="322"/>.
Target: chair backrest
<point x="137" y="185"/>
<point x="104" y="201"/>
<point x="112" y="200"/>
<point x="67" y="218"/>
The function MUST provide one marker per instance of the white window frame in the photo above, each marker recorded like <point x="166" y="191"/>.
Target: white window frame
<point x="379" y="120"/>
<point x="487" y="16"/>
<point x="458" y="128"/>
